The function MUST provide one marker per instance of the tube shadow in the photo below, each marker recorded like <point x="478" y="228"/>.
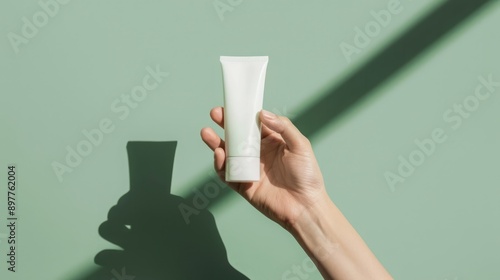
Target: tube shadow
<point x="146" y="222"/>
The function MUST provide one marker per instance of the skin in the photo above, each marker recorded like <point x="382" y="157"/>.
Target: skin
<point x="291" y="192"/>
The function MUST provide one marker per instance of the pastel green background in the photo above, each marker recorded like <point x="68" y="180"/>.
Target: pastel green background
<point x="443" y="222"/>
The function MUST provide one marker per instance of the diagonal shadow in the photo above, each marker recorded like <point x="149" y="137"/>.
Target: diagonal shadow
<point x="399" y="53"/>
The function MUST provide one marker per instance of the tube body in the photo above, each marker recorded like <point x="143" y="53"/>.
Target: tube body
<point x="243" y="81"/>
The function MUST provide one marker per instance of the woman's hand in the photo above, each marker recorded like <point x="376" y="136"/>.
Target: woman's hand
<point x="290" y="181"/>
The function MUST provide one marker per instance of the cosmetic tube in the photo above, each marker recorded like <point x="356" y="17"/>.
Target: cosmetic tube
<point x="243" y="81"/>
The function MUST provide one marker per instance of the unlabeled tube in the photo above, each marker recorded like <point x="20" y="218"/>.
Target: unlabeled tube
<point x="243" y="80"/>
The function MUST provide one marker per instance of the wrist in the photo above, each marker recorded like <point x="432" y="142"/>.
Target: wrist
<point x="310" y="215"/>
<point x="334" y="245"/>
<point x="315" y="228"/>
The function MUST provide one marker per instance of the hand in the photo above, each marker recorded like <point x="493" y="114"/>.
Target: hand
<point x="292" y="193"/>
<point x="290" y="181"/>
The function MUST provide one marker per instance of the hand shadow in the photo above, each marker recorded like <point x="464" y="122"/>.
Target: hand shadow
<point x="146" y="222"/>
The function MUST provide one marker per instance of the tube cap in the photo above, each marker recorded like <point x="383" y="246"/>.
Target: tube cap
<point x="242" y="169"/>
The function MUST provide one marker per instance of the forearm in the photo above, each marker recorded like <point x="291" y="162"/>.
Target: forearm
<point x="334" y="245"/>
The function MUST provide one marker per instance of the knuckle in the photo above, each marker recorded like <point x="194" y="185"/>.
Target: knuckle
<point x="306" y="141"/>
<point x="286" y="120"/>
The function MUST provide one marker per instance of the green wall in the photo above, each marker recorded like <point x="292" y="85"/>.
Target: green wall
<point x="441" y="222"/>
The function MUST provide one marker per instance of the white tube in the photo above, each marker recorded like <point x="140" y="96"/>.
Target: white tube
<point x="243" y="79"/>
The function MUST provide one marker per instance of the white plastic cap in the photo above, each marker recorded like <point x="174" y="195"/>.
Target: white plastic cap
<point x="242" y="169"/>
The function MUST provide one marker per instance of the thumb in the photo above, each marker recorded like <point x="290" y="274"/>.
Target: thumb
<point x="282" y="125"/>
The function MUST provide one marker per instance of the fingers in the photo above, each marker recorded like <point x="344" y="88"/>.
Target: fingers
<point x="217" y="115"/>
<point x="219" y="159"/>
<point x="213" y="141"/>
<point x="219" y="166"/>
<point x="208" y="135"/>
<point x="115" y="233"/>
<point x="266" y="131"/>
<point x="211" y="138"/>
<point x="282" y="125"/>
<point x="111" y="258"/>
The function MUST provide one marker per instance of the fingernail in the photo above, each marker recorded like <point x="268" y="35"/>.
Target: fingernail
<point x="268" y="115"/>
